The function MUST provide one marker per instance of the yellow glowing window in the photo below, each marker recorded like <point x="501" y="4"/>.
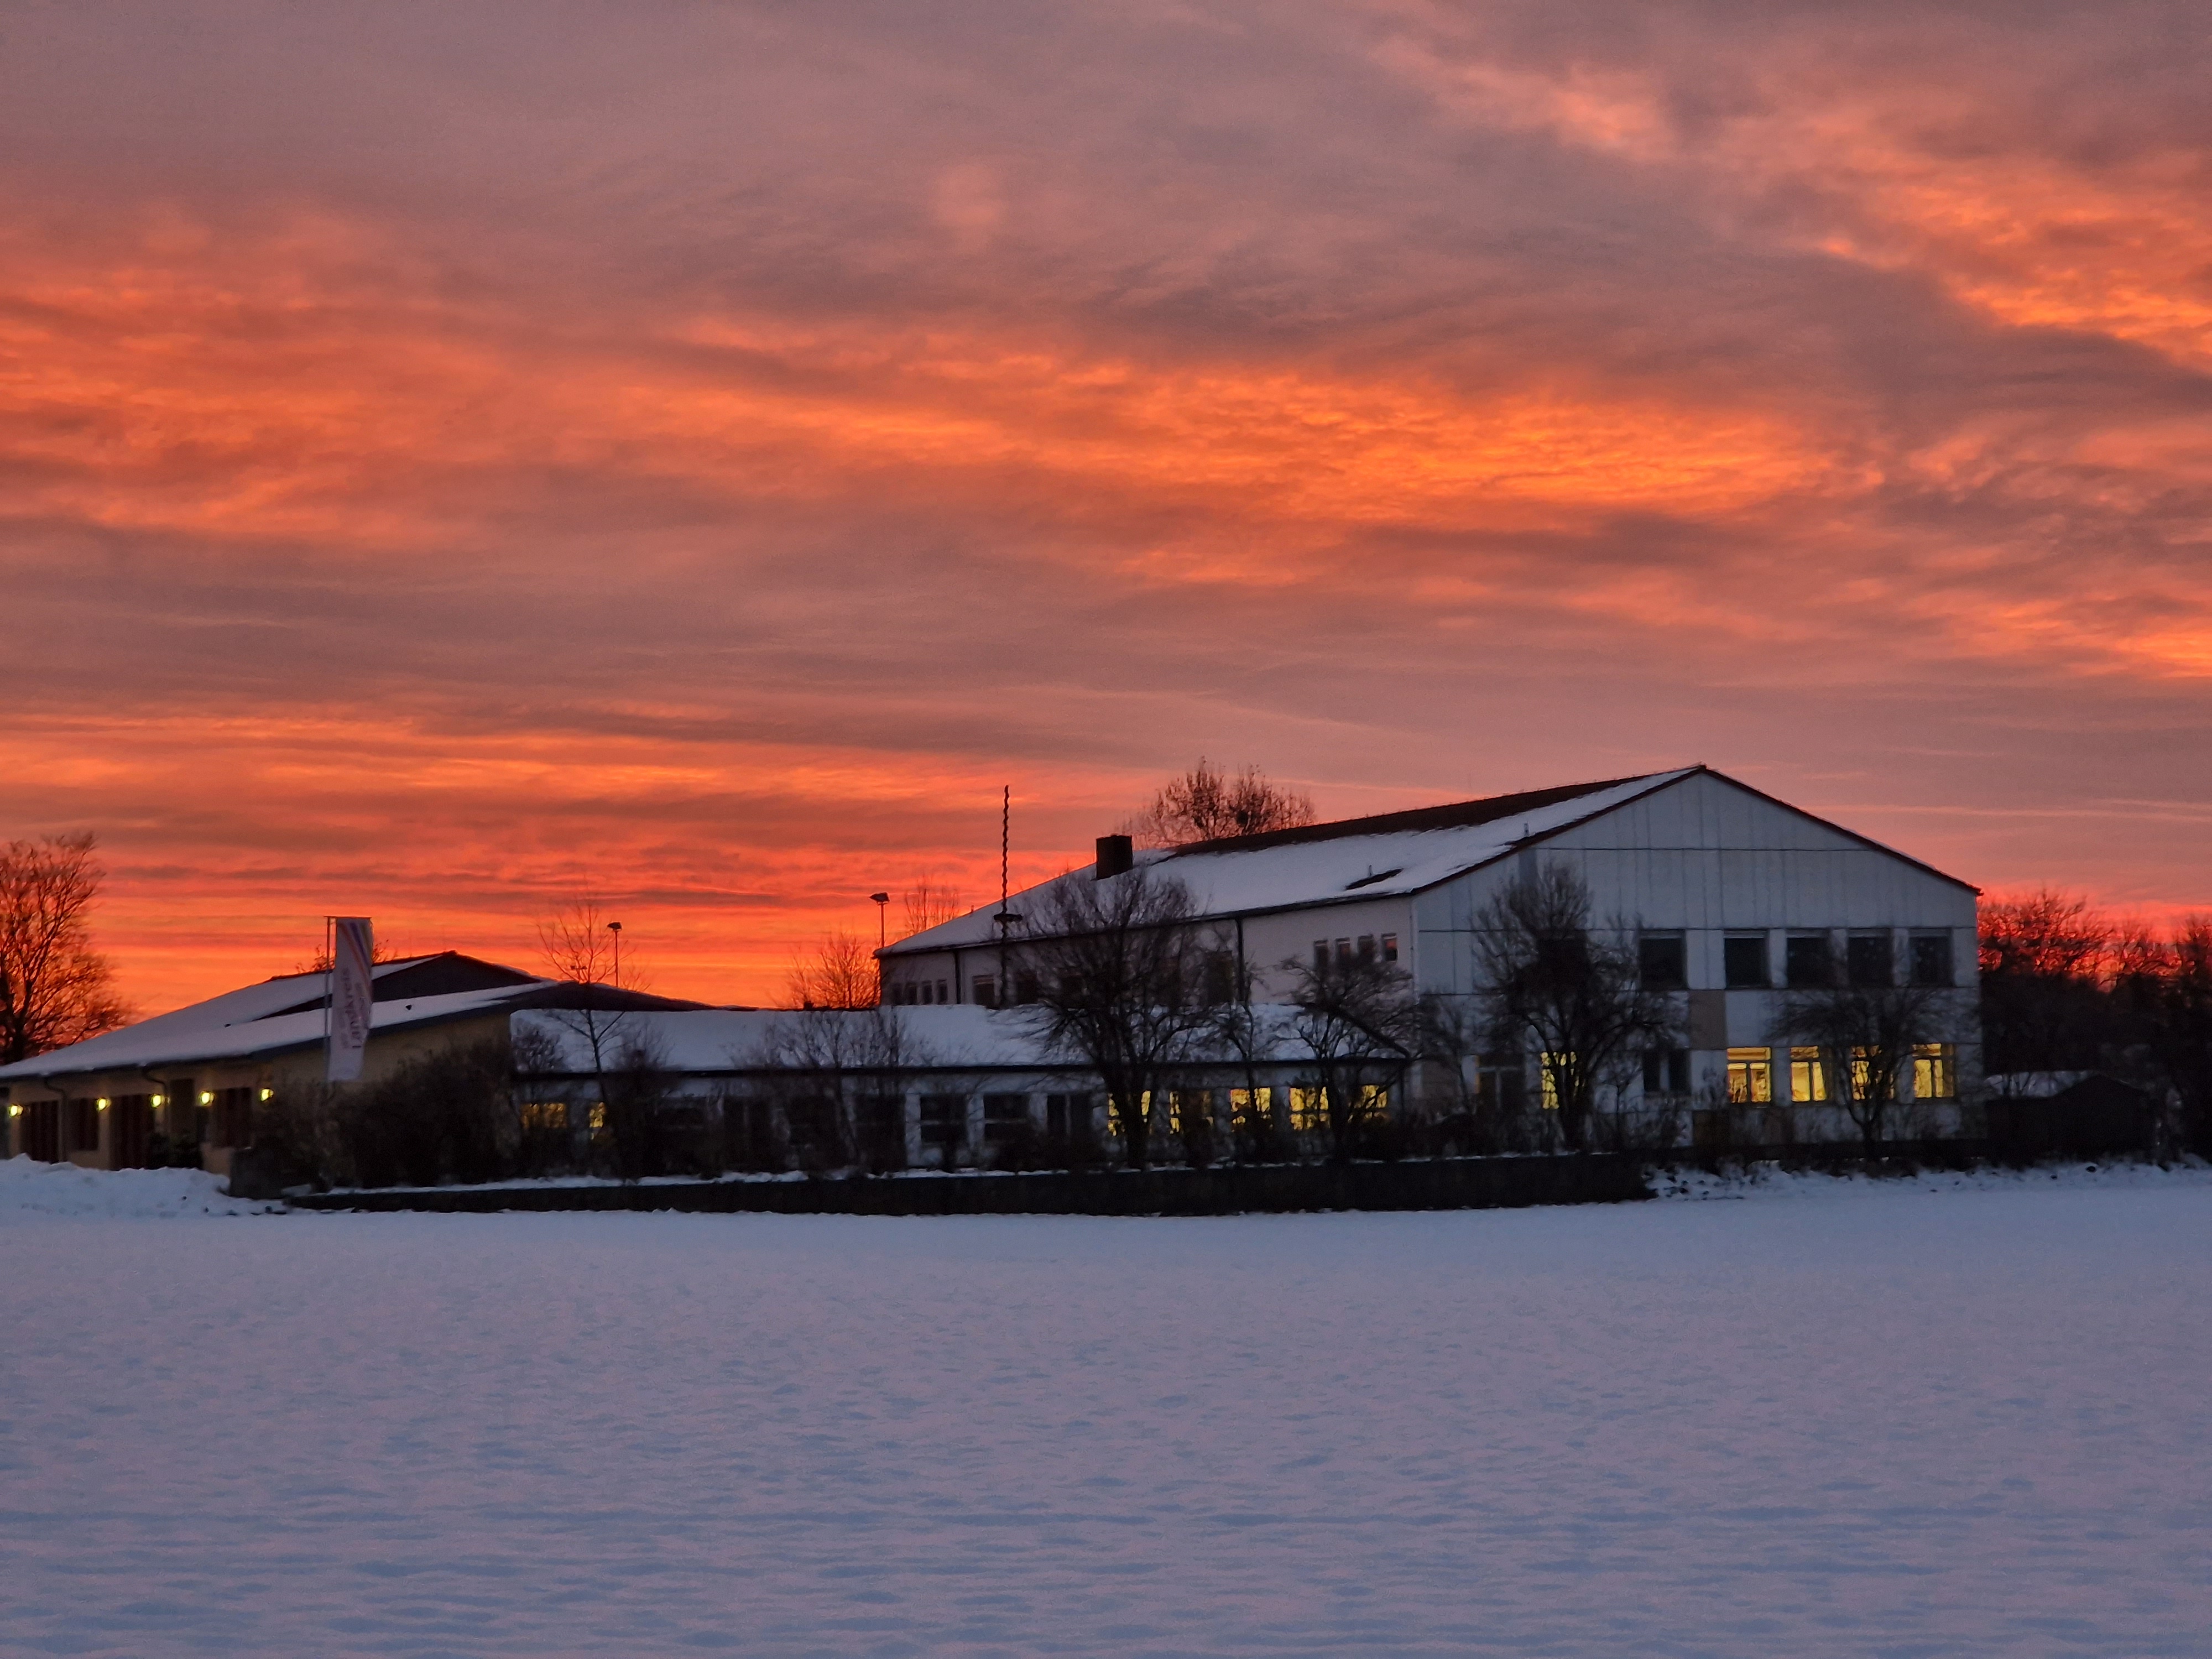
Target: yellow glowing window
<point x="1249" y="1104"/>
<point x="1374" y="1102"/>
<point x="1750" y="1077"/>
<point x="1309" y="1109"/>
<point x="1935" y="1071"/>
<point x="544" y="1114"/>
<point x="1808" y="1079"/>
<point x="1547" y="1065"/>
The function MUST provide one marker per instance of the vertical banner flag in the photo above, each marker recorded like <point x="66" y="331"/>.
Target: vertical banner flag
<point x="351" y="997"/>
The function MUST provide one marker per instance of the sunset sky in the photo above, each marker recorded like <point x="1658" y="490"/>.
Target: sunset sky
<point x="451" y="456"/>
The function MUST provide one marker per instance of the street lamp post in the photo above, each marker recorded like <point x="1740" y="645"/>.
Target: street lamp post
<point x="615" y="927"/>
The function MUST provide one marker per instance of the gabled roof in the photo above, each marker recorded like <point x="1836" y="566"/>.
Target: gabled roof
<point x="287" y="1013"/>
<point x="1387" y="855"/>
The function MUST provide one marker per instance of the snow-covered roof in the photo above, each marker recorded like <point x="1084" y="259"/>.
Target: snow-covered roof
<point x="721" y="1040"/>
<point x="246" y="1022"/>
<point x="1385" y="856"/>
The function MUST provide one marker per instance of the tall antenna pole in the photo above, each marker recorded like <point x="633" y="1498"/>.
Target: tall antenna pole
<point x="1002" y="994"/>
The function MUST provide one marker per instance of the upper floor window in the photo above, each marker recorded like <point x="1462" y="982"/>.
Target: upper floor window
<point x="1743" y="957"/>
<point x="1871" y="959"/>
<point x="1931" y="959"/>
<point x="1367" y="947"/>
<point x="1320" y="954"/>
<point x="1809" y="959"/>
<point x="1663" y="960"/>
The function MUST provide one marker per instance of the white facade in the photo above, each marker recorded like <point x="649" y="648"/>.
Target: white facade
<point x="1690" y="853"/>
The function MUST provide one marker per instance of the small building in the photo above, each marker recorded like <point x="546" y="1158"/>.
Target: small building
<point x="195" y="1076"/>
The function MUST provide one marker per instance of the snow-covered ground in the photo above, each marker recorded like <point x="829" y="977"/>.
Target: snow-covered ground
<point x="1832" y="1419"/>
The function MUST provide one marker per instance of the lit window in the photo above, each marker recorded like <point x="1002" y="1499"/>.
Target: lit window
<point x="1309" y="1109"/>
<point x="1743" y="956"/>
<point x="1809" y="1081"/>
<point x="1191" y="1111"/>
<point x="1750" y="1077"/>
<point x="1251" y="1105"/>
<point x="1389" y="947"/>
<point x="1935" y="1071"/>
<point x="1546" y="1065"/>
<point x="545" y="1116"/>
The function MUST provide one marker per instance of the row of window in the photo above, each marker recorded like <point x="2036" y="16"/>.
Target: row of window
<point x="1750" y="1074"/>
<point x="943" y="1118"/>
<point x="1871" y="960"/>
<point x="1366" y="947"/>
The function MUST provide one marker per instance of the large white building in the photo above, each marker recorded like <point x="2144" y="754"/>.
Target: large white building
<point x="1736" y="896"/>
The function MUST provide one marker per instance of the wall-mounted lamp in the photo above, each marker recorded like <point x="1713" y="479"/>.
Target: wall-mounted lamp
<point x="206" y="1099"/>
<point x="103" y="1105"/>
<point x="161" y="1100"/>
<point x="269" y="1094"/>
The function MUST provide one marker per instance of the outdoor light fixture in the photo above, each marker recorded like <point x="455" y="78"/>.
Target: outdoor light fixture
<point x="15" y="1108"/>
<point x="103" y="1105"/>
<point x="161" y="1100"/>
<point x="206" y="1099"/>
<point x="269" y="1094"/>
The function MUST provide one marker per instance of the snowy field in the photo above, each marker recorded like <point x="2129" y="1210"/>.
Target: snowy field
<point x="1818" y="1418"/>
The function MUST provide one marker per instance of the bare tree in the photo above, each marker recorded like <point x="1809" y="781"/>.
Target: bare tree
<point x="930" y="903"/>
<point x="837" y="971"/>
<point x="55" y="989"/>
<point x="2045" y="961"/>
<point x="2165" y="985"/>
<point x="1865" y="1035"/>
<point x="1576" y="994"/>
<point x="578" y="948"/>
<point x="1358" y="1018"/>
<point x="1206" y="805"/>
<point x="1123" y="974"/>
<point x="840" y="1079"/>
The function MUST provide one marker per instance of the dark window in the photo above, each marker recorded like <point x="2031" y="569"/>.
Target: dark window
<point x="1005" y="1117"/>
<point x="1343" y="949"/>
<point x="1501" y="1083"/>
<point x="1744" y="958"/>
<point x="1809" y="959"/>
<point x="83" y="1125"/>
<point x="987" y="990"/>
<point x="233" y="1117"/>
<point x="133" y="1116"/>
<point x="1666" y="1071"/>
<point x="1025" y="987"/>
<point x="1389" y="947"/>
<point x="1218" y="981"/>
<point x="39" y="1130"/>
<point x="1663" y="962"/>
<point x="1320" y="954"/>
<point x="1871" y="960"/>
<point x="1067" y="1117"/>
<point x="1931" y="959"/>
<point x="944" y="991"/>
<point x="943" y="1119"/>
<point x="1367" y="947"/>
